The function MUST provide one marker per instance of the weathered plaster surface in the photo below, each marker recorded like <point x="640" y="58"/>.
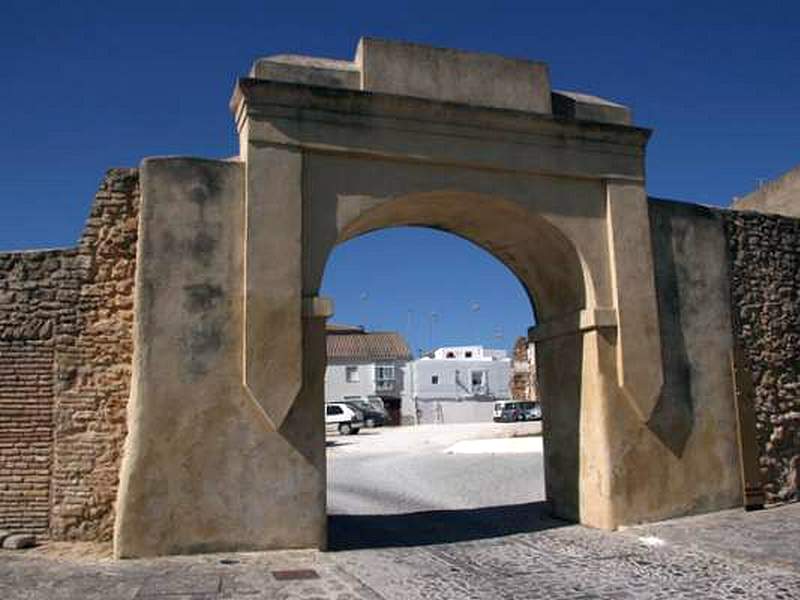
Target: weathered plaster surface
<point x="203" y="470"/>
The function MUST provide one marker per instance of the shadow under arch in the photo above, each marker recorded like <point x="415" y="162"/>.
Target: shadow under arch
<point x="550" y="270"/>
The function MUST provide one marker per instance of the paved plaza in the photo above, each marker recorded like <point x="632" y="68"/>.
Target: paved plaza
<point x="725" y="555"/>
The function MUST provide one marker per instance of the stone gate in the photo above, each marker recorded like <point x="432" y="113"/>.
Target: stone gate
<point x="635" y="333"/>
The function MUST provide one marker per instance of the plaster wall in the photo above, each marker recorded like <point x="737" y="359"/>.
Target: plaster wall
<point x="204" y="470"/>
<point x="684" y="459"/>
<point x="691" y="434"/>
<point x="454" y="410"/>
<point x="453" y="378"/>
<point x="337" y="387"/>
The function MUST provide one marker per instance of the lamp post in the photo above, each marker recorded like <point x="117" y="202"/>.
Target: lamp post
<point x="431" y="319"/>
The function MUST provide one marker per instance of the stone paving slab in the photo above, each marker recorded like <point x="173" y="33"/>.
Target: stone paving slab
<point x="567" y="563"/>
<point x="720" y="556"/>
<point x="769" y="537"/>
<point x="208" y="577"/>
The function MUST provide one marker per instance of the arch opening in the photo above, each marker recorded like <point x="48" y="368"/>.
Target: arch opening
<point x="550" y="277"/>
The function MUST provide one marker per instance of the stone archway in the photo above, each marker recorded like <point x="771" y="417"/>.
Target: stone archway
<point x="226" y="442"/>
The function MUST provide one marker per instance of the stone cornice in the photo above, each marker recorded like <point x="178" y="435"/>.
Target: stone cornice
<point x="257" y="98"/>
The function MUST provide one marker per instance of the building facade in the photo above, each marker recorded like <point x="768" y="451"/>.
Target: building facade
<point x="523" y="371"/>
<point x="367" y="364"/>
<point x="458" y="384"/>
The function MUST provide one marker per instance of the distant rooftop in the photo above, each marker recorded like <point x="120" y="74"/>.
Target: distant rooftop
<point x="780" y="196"/>
<point x="339" y="328"/>
<point x="475" y="352"/>
<point x="349" y="342"/>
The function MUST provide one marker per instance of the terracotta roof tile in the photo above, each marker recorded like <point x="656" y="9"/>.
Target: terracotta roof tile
<point x="359" y="345"/>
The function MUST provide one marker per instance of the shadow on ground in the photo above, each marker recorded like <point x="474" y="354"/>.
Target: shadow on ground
<point x="335" y="443"/>
<point x="355" y="532"/>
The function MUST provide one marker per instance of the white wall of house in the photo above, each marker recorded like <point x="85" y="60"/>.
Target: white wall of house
<point x="366" y="378"/>
<point x="453" y="378"/>
<point x="459" y="384"/>
<point x="431" y="389"/>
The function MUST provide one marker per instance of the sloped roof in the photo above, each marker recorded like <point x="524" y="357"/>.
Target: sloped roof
<point x="356" y="344"/>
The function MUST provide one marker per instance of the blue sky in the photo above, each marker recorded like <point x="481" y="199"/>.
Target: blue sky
<point x="86" y="85"/>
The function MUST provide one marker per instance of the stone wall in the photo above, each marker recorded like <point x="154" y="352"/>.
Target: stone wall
<point x="65" y="360"/>
<point x="765" y="282"/>
<point x="93" y="361"/>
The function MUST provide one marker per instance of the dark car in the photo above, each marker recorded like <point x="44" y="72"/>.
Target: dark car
<point x="372" y="416"/>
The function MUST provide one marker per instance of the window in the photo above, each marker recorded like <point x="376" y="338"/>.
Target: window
<point x="450" y="355"/>
<point x="468" y="354"/>
<point x="435" y="379"/>
<point x="384" y="377"/>
<point x="333" y="410"/>
<point x="479" y="380"/>
<point x="351" y="375"/>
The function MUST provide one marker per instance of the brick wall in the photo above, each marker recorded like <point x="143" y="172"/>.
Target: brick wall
<point x="30" y="309"/>
<point x="66" y="321"/>
<point x="765" y="282"/>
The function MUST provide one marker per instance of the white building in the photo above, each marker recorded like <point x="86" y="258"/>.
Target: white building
<point x="368" y="364"/>
<point x="457" y="384"/>
<point x="453" y="384"/>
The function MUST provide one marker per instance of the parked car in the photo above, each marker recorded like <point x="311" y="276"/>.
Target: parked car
<point x="532" y="411"/>
<point x="343" y="418"/>
<point x="373" y="417"/>
<point x="516" y="410"/>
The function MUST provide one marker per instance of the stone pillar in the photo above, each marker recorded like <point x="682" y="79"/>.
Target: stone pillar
<point x="575" y="362"/>
<point x="284" y="332"/>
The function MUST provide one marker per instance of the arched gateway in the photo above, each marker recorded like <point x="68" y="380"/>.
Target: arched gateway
<point x="226" y="441"/>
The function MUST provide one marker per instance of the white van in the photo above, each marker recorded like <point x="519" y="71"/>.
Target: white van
<point x="516" y="410"/>
<point x="343" y="418"/>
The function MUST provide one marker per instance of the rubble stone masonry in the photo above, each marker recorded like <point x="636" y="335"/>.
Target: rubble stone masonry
<point x="66" y="320"/>
<point x="765" y="288"/>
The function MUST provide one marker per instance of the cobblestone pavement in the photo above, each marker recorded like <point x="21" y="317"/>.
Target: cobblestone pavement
<point x="732" y="554"/>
